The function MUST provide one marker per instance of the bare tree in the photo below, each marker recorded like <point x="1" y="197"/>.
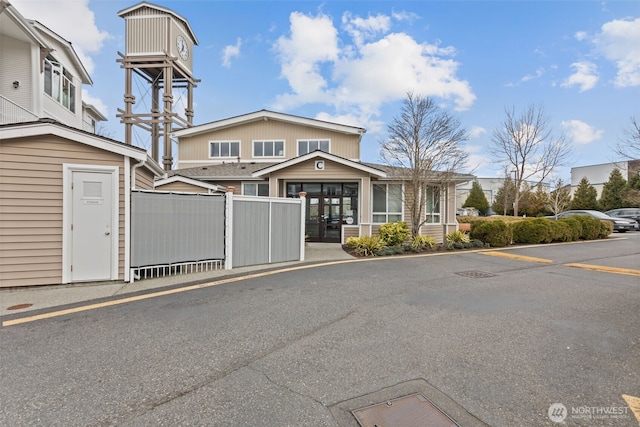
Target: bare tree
<point x="424" y="148"/>
<point x="526" y="144"/>
<point x="560" y="198"/>
<point x="629" y="145"/>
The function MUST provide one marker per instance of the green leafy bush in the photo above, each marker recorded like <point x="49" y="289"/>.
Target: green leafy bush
<point x="390" y="250"/>
<point x="537" y="230"/>
<point x="575" y="227"/>
<point x="455" y="237"/>
<point x="364" y="245"/>
<point x="590" y="227"/>
<point x="394" y="233"/>
<point x="496" y="233"/>
<point x="423" y="242"/>
<point x="606" y="228"/>
<point x="561" y="232"/>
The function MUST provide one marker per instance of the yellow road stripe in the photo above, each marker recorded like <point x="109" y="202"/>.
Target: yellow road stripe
<point x="606" y="269"/>
<point x="518" y="257"/>
<point x="634" y="405"/>
<point x="157" y="294"/>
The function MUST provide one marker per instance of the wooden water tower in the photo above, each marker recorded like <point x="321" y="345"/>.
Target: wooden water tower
<point x="159" y="49"/>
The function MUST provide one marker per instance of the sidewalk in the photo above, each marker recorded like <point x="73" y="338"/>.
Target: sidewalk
<point x="37" y="298"/>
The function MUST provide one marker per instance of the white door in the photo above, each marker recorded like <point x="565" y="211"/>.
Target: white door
<point x="92" y="226"/>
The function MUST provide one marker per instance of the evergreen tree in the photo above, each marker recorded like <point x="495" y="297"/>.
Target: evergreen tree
<point x="503" y="202"/>
<point x="477" y="199"/>
<point x="632" y="191"/>
<point x="613" y="191"/>
<point x="538" y="202"/>
<point x="585" y="196"/>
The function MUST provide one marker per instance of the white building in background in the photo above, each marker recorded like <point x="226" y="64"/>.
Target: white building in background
<point x="490" y="187"/>
<point x="41" y="76"/>
<point x="599" y="174"/>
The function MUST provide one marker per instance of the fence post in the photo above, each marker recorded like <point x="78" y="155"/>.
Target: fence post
<point x="303" y="237"/>
<point x="228" y="229"/>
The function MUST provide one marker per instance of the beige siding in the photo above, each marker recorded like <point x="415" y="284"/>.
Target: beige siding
<point x="144" y="179"/>
<point x="31" y="175"/>
<point x="182" y="187"/>
<point x="197" y="147"/>
<point x="332" y="172"/>
<point x="350" y="231"/>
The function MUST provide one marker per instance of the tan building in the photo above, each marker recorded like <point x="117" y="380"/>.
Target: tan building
<point x="65" y="204"/>
<point x="266" y="153"/>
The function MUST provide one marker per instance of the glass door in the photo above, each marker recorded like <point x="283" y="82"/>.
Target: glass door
<point x="332" y="218"/>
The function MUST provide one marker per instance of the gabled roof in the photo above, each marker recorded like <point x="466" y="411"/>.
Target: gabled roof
<point x="124" y="12"/>
<point x="67" y="46"/>
<point x="51" y="127"/>
<point x="194" y="182"/>
<point x="225" y="171"/>
<point x="22" y="29"/>
<point x="322" y="155"/>
<point x="268" y="115"/>
<point x="90" y="108"/>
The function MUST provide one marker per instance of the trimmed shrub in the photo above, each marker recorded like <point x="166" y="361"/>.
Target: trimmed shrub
<point x="364" y="245"/>
<point x="561" y="232"/>
<point x="423" y="242"/>
<point x="590" y="227"/>
<point x="459" y="237"/>
<point x="575" y="227"/>
<point x="390" y="250"/>
<point x="394" y="233"/>
<point x="496" y="233"/>
<point x="538" y="230"/>
<point x="606" y="228"/>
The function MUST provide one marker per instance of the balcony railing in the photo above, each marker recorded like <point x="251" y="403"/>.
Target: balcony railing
<point x="10" y="112"/>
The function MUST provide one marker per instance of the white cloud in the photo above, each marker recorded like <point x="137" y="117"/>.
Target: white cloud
<point x="375" y="69"/>
<point x="96" y="102"/>
<point x="585" y="76"/>
<point x="56" y="15"/>
<point x="580" y="35"/>
<point x="477" y="131"/>
<point x="229" y="52"/>
<point x="618" y="42"/>
<point x="580" y="132"/>
<point x="539" y="72"/>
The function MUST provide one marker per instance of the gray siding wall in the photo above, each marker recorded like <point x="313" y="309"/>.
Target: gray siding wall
<point x="171" y="228"/>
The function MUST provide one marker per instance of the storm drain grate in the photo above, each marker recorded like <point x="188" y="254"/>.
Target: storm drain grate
<point x="409" y="411"/>
<point x="475" y="274"/>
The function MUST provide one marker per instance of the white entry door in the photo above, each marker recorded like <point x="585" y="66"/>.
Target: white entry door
<point x="93" y="232"/>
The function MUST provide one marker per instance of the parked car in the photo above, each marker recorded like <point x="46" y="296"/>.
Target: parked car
<point x="467" y="212"/>
<point x="620" y="225"/>
<point x="629" y="213"/>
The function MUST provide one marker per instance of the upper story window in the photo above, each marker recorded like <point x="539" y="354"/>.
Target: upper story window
<point x="224" y="148"/>
<point x="268" y="148"/>
<point x="387" y="203"/>
<point x="58" y="83"/>
<point x="307" y="146"/>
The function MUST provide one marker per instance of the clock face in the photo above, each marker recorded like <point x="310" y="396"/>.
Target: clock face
<point x="183" y="48"/>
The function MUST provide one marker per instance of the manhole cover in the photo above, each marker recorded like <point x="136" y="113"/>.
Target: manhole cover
<point x="409" y="411"/>
<point x="475" y="274"/>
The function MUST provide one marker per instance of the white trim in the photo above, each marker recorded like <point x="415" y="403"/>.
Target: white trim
<point x="274" y="157"/>
<point x="320" y="154"/>
<point x="257" y="183"/>
<point x="221" y="141"/>
<point x="312" y="139"/>
<point x="127" y="219"/>
<point x="178" y="178"/>
<point x="386" y="213"/>
<point x="269" y="115"/>
<point x="67" y="203"/>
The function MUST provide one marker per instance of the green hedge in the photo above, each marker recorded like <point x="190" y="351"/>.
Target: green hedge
<point x="537" y="230"/>
<point x="496" y="233"/>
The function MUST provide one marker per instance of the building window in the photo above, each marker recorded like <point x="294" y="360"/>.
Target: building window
<point x="387" y="203"/>
<point x="268" y="148"/>
<point x="432" y="208"/>
<point x="58" y="83"/>
<point x="224" y="149"/>
<point x="255" y="189"/>
<point x="307" y="146"/>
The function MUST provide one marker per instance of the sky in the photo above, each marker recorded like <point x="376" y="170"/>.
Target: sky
<point x="353" y="62"/>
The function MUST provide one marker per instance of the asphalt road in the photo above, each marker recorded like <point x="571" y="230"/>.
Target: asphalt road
<point x="491" y="340"/>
